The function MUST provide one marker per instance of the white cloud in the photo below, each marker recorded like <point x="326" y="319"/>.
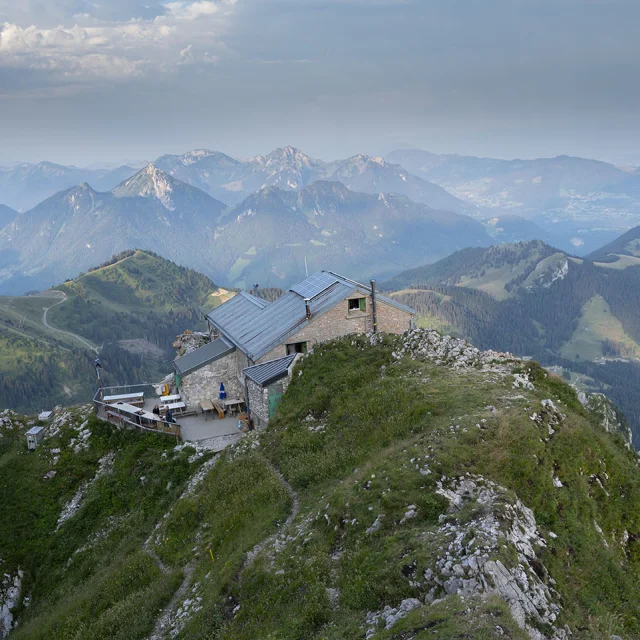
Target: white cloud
<point x="186" y="33"/>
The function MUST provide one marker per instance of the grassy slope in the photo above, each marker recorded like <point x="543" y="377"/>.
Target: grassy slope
<point x="140" y="282"/>
<point x="597" y="324"/>
<point x="139" y="296"/>
<point x="347" y="463"/>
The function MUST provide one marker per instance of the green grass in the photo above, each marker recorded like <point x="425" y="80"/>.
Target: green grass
<point x="345" y="437"/>
<point x="596" y="324"/>
<point x="108" y="589"/>
<point x="622" y="262"/>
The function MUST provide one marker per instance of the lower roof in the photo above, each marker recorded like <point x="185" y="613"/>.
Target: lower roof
<point x="204" y="355"/>
<point x="267" y="372"/>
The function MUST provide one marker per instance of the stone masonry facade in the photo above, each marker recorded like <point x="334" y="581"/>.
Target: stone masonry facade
<point x="204" y="383"/>
<point x="339" y="321"/>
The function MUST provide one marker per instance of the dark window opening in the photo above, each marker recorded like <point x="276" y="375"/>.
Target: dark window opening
<point x="358" y="304"/>
<point x="296" y="347"/>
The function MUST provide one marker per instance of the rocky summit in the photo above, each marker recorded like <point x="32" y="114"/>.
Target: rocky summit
<point x="407" y="487"/>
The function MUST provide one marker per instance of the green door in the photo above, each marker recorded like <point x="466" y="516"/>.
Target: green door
<point x="275" y="395"/>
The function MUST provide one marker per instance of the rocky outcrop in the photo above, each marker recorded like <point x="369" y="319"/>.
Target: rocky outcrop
<point x="488" y="544"/>
<point x="190" y="341"/>
<point x="607" y="415"/>
<point x="10" y="589"/>
<point x="426" y="344"/>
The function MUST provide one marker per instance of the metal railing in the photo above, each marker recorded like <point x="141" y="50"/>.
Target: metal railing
<point x="116" y="415"/>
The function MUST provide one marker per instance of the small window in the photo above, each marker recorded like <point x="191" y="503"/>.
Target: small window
<point x="296" y="347"/>
<point x="357" y="304"/>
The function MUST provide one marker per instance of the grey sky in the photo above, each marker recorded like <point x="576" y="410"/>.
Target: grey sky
<point x="111" y="80"/>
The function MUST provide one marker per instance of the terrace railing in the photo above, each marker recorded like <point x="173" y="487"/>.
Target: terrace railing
<point x="122" y="418"/>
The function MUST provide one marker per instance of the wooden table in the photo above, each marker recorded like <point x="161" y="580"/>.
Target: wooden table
<point x="233" y="404"/>
<point x="174" y="406"/>
<point x="168" y="399"/>
<point x="206" y="406"/>
<point x="134" y="413"/>
<point x="128" y="398"/>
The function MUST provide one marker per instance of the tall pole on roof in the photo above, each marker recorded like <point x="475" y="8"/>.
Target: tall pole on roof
<point x="306" y="269"/>
<point x="374" y="314"/>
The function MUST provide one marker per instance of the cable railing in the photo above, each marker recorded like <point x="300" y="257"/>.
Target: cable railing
<point x="132" y="416"/>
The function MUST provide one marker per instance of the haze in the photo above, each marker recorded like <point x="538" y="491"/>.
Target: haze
<point x="126" y="80"/>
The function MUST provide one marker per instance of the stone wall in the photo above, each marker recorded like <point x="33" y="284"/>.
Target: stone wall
<point x="258" y="403"/>
<point x="338" y="322"/>
<point x="204" y="383"/>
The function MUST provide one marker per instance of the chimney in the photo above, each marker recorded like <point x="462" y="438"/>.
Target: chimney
<point x="307" y="308"/>
<point x="374" y="315"/>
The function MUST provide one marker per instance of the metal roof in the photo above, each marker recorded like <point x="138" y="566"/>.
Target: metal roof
<point x="204" y="355"/>
<point x="395" y="303"/>
<point x="256" y="328"/>
<point x="34" y="431"/>
<point x="263" y="374"/>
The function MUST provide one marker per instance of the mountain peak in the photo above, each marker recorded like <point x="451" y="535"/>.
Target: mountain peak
<point x="288" y="156"/>
<point x="149" y="182"/>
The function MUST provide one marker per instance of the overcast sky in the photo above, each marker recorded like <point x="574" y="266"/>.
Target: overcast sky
<point x="85" y="81"/>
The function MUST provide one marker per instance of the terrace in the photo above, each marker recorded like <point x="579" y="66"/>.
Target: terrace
<point x="136" y="411"/>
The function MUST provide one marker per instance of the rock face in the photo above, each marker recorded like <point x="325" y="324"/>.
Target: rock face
<point x="426" y="344"/>
<point x="609" y="417"/>
<point x="10" y="589"/>
<point x="190" y="341"/>
<point x="485" y="519"/>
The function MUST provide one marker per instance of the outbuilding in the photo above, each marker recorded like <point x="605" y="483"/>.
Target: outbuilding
<point x="34" y="437"/>
<point x="266" y="384"/>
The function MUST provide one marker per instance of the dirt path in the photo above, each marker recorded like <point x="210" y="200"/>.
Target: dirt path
<point x="295" y="509"/>
<point x="64" y="298"/>
<point x="163" y="621"/>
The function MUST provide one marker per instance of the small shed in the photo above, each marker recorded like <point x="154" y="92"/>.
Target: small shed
<point x="266" y="384"/>
<point x="34" y="437"/>
<point x="45" y="416"/>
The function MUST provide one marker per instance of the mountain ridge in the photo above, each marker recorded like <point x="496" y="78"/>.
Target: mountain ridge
<point x="152" y="210"/>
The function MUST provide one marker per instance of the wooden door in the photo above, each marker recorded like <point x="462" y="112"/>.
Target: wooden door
<point x="275" y="395"/>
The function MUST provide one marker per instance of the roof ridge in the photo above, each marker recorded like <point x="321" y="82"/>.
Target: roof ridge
<point x="259" y="302"/>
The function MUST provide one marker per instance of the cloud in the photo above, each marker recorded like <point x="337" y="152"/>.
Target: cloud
<point x="185" y="33"/>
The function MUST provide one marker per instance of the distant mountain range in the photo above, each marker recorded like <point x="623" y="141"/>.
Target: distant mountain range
<point x="238" y="220"/>
<point x="583" y="202"/>
<point x="290" y="169"/>
<point x="265" y="238"/>
<point x="80" y="227"/>
<point x="24" y="186"/>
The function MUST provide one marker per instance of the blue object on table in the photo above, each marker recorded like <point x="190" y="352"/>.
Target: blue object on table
<point x="223" y="393"/>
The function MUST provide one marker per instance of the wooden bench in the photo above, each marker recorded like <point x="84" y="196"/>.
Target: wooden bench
<point x="218" y="408"/>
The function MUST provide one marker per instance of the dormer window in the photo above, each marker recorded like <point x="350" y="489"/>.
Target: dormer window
<point x="357" y="304"/>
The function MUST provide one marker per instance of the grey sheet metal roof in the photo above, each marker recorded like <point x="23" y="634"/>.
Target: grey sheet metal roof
<point x="268" y="372"/>
<point x="34" y="431"/>
<point x="204" y="355"/>
<point x="256" y="328"/>
<point x="395" y="303"/>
